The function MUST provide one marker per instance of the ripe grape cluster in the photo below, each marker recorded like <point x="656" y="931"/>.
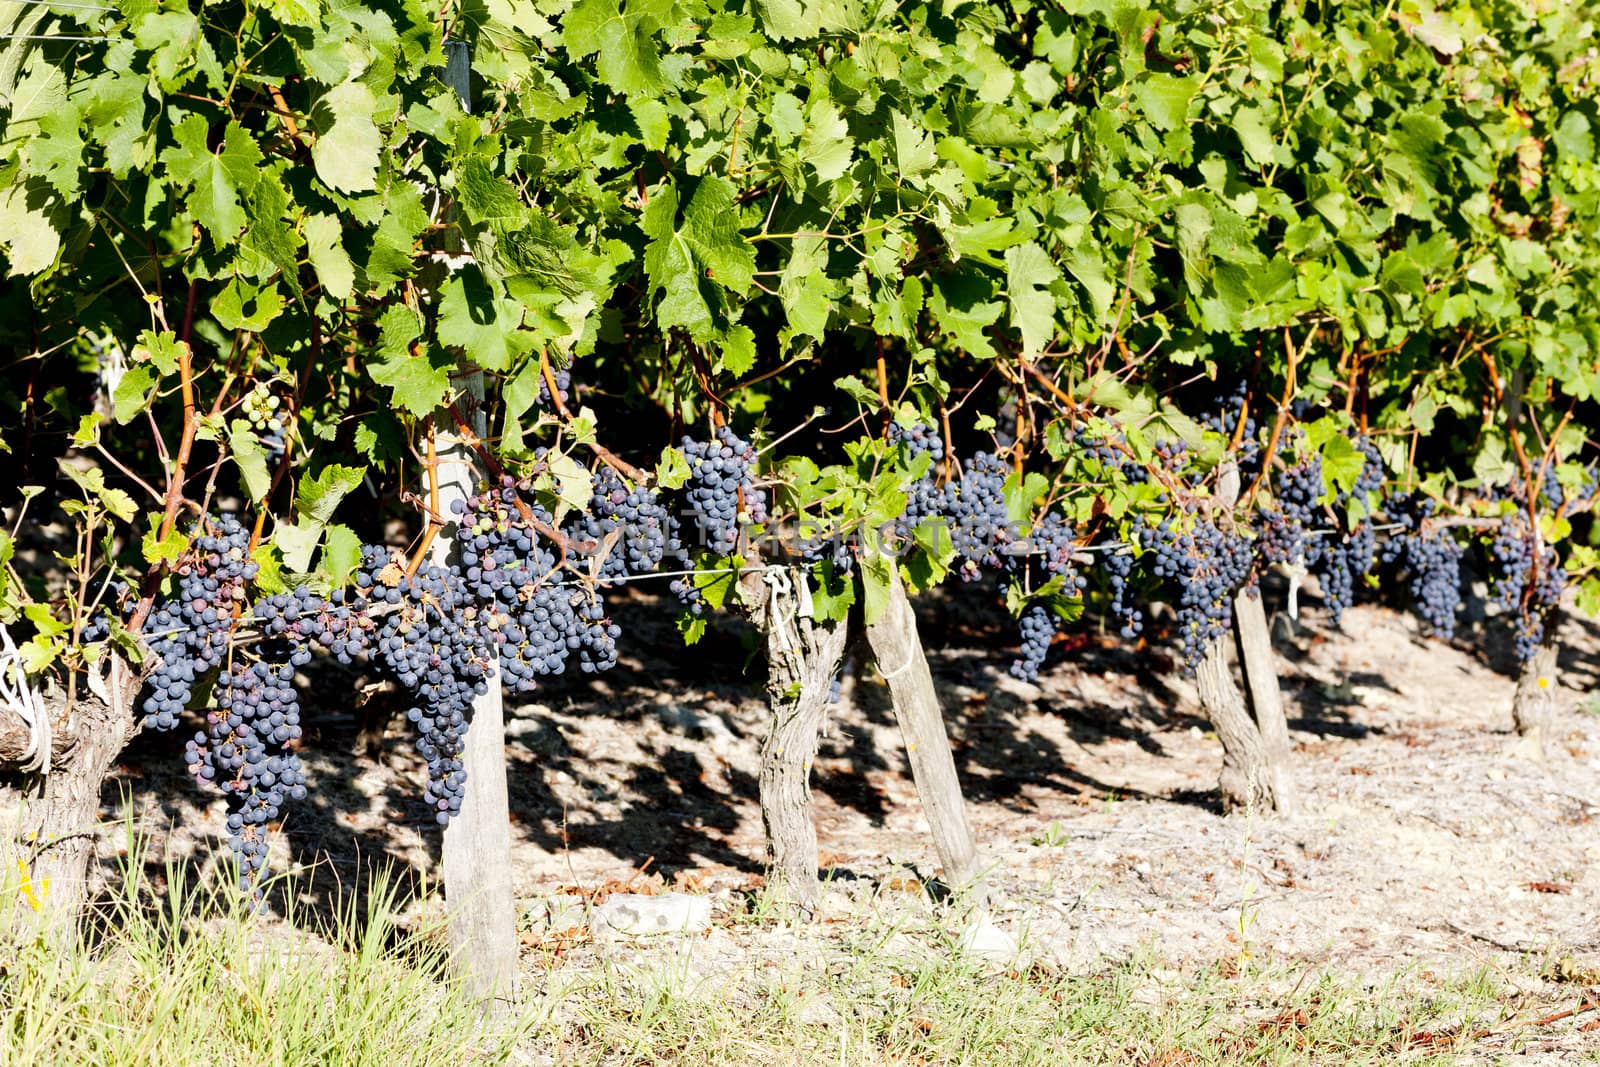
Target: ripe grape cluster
<point x="429" y="637"/>
<point x="627" y="530"/>
<point x="1528" y="581"/>
<point x="189" y="632"/>
<point x="1038" y="629"/>
<point x="721" y="484"/>
<point x="974" y="506"/>
<point x="1431" y="559"/>
<point x="919" y="438"/>
<point x="1208" y="565"/>
<point x="535" y="616"/>
<point x="563" y="388"/>
<point x="1286" y="528"/>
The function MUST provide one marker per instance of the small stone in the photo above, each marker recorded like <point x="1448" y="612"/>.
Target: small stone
<point x="696" y="723"/>
<point x="536" y="732"/>
<point x="985" y="941"/>
<point x="635" y="915"/>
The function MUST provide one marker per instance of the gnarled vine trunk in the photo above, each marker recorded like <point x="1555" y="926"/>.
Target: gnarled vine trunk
<point x="1534" y="704"/>
<point x="1247" y="780"/>
<point x="897" y="646"/>
<point x="61" y="816"/>
<point x="803" y="656"/>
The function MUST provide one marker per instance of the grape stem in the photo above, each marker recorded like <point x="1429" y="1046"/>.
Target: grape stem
<point x="604" y="454"/>
<point x="1283" y="412"/>
<point x="435" y="520"/>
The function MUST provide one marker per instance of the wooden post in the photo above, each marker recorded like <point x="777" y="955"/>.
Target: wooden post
<point x="802" y="658"/>
<point x="477" y="842"/>
<point x="1266" y="701"/>
<point x="897" y="647"/>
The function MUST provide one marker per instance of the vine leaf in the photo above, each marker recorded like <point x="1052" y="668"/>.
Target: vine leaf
<point x="474" y="317"/>
<point x="251" y="458"/>
<point x="215" y="180"/>
<point x="1028" y="274"/>
<point x="826" y="143"/>
<point x="687" y="262"/>
<point x="629" y="59"/>
<point x="348" y="144"/>
<point x="325" y="249"/>
<point x="27" y="232"/>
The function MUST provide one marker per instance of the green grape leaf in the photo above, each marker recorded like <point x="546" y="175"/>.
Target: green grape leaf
<point x="251" y="457"/>
<point x="341" y="554"/>
<point x="28" y="231"/>
<point x="157" y="549"/>
<point x="325" y="249"/>
<point x="132" y="394"/>
<point x="1029" y="272"/>
<point x="316" y="498"/>
<point x="216" y="180"/>
<point x="629" y="60"/>
<point x="672" y="470"/>
<point x="877" y="577"/>
<point x="348" y="143"/>
<point x="485" y="325"/>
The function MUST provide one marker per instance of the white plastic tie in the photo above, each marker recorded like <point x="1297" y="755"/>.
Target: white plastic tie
<point x="1296" y="573"/>
<point x="19" y="695"/>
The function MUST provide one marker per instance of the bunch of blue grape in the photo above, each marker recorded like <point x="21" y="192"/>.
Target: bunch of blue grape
<point x="1037" y="628"/>
<point x="1285" y="527"/>
<point x="269" y="418"/>
<point x="429" y="636"/>
<point x="1517" y="590"/>
<point x="244" y="751"/>
<point x="534" y="618"/>
<point x="1051" y="544"/>
<point x="1207" y="565"/>
<point x="563" y="387"/>
<point x="1432" y="560"/>
<point x="1172" y="454"/>
<point x="244" y="745"/>
<point x="1117" y="565"/>
<point x="1345" y="562"/>
<point x="974" y="506"/>
<point x="721" y="482"/>
<point x="634" y="521"/>
<point x="1225" y="421"/>
<point x="188" y="632"/>
<point x="1112" y="454"/>
<point x="924" y="495"/>
<point x="920" y="438"/>
<point x="1351" y="547"/>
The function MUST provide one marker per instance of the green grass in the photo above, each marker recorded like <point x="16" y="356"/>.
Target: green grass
<point x="195" y="978"/>
<point x="872" y="1010"/>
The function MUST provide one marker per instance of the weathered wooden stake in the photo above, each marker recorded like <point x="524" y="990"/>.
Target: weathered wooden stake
<point x="897" y="647"/>
<point x="477" y="843"/>
<point x="1265" y="700"/>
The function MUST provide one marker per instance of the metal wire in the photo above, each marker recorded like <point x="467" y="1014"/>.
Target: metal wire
<point x="52" y="3"/>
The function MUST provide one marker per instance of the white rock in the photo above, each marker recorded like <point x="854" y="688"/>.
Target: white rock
<point x="634" y="915"/>
<point x="985" y="941"/>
